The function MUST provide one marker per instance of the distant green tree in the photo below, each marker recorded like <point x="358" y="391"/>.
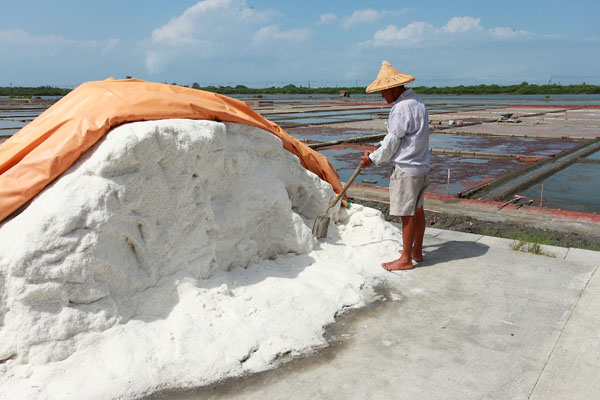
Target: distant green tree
<point x="521" y="89"/>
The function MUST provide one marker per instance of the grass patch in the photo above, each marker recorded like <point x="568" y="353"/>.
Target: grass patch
<point x="538" y="237"/>
<point x="534" y="248"/>
<point x="595" y="247"/>
<point x="517" y="245"/>
<point x="530" y="242"/>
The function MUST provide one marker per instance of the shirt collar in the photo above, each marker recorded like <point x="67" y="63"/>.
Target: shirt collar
<point x="406" y="92"/>
<point x="403" y="95"/>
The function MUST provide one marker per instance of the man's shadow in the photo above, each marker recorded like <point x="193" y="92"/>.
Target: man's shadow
<point x="436" y="253"/>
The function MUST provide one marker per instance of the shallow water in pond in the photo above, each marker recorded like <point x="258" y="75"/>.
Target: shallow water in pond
<point x="576" y="188"/>
<point x="12" y="124"/>
<point x="465" y="172"/>
<point x="532" y="147"/>
<point x="595" y="156"/>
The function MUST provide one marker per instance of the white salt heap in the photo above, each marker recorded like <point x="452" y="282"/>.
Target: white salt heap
<point x="174" y="254"/>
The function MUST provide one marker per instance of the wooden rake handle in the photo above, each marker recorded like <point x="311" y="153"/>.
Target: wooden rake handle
<point x="339" y="196"/>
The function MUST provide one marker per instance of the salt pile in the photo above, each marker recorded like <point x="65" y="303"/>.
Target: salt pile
<point x="173" y="254"/>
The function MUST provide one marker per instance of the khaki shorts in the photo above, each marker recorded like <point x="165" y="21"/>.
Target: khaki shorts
<point x="406" y="192"/>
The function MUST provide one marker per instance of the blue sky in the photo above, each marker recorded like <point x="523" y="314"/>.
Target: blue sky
<point x="261" y="43"/>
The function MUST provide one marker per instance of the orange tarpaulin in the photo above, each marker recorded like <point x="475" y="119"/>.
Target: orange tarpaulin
<point x="46" y="147"/>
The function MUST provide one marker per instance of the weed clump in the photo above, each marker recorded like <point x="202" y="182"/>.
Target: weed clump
<point x="534" y="248"/>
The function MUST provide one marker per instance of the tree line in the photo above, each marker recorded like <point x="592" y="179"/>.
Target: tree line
<point x="28" y="92"/>
<point x="521" y="89"/>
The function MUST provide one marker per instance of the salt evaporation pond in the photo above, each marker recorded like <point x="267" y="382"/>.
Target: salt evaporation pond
<point x="465" y="172"/>
<point x="580" y="178"/>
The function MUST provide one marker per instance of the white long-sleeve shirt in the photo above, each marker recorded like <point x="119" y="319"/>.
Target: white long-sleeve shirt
<point x="407" y="141"/>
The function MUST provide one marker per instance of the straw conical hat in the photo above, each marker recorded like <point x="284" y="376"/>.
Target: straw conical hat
<point x="388" y="77"/>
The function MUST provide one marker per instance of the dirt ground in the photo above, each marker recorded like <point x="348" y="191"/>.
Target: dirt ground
<point x="492" y="228"/>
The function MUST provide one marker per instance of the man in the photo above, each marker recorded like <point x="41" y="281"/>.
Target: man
<point x="406" y="145"/>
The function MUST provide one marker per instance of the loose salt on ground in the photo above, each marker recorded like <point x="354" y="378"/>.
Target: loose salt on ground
<point x="176" y="253"/>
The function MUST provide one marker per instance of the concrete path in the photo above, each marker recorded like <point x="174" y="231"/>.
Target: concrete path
<point x="476" y="320"/>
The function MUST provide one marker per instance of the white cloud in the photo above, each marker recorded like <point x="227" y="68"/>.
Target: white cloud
<point x="511" y="34"/>
<point x="368" y="16"/>
<point x="24" y="38"/>
<point x="553" y="36"/>
<point x="19" y="36"/>
<point x="327" y="18"/>
<point x="217" y="29"/>
<point x="154" y="62"/>
<point x="457" y="29"/>
<point x="272" y="32"/>
<point x="361" y="17"/>
<point x="104" y="46"/>
<point x="412" y="34"/>
<point x="207" y="18"/>
<point x="462" y="24"/>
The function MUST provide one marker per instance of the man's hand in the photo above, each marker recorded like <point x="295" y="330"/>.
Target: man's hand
<point x="365" y="161"/>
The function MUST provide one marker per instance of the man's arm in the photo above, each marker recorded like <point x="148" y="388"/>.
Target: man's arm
<point x="385" y="152"/>
<point x="397" y="126"/>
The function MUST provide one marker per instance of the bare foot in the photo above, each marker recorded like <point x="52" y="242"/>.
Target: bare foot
<point x="417" y="257"/>
<point x="398" y="265"/>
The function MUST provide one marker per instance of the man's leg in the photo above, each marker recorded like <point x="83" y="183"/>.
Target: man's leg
<point x="417" y="248"/>
<point x="417" y="251"/>
<point x="409" y="226"/>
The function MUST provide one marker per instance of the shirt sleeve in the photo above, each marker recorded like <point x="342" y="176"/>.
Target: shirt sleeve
<point x="397" y="126"/>
<point x="385" y="152"/>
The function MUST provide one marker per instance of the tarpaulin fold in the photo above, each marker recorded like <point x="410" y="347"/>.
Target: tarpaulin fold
<point x="50" y="144"/>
